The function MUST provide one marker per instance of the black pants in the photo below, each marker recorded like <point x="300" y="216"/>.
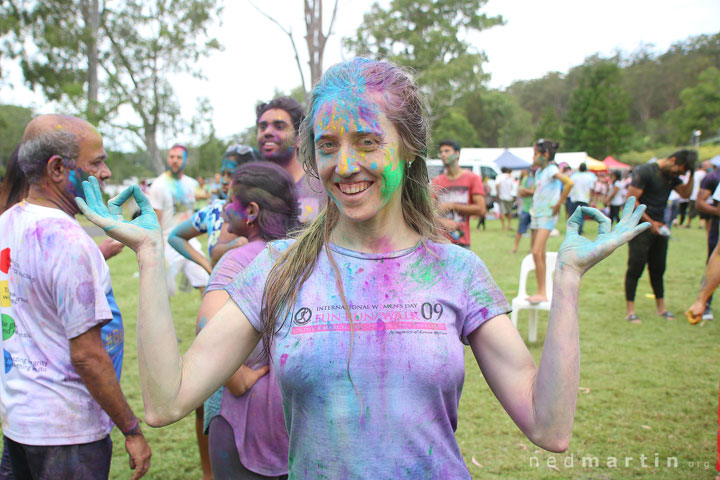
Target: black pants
<point x="651" y="249"/>
<point x="87" y="461"/>
<point x="615" y="213"/>
<point x="571" y="207"/>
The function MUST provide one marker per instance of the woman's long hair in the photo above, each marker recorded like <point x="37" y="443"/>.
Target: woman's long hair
<point x="400" y="100"/>
<point x="15" y="185"/>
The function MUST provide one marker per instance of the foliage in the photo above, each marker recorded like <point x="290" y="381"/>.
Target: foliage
<point x="138" y="46"/>
<point x="549" y="125"/>
<point x="454" y="125"/>
<point x="699" y="108"/>
<point x="428" y="36"/>
<point x="498" y="119"/>
<point x="12" y="125"/>
<point x="598" y="118"/>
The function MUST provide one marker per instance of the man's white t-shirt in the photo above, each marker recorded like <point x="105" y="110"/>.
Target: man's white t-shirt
<point x="505" y="187"/>
<point x="175" y="198"/>
<point x="53" y="285"/>
<point x="698" y="177"/>
<point x="583" y="183"/>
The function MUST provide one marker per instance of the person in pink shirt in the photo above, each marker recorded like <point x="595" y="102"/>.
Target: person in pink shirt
<point x="460" y="195"/>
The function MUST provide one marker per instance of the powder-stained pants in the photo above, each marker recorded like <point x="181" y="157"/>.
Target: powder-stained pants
<point x="651" y="249"/>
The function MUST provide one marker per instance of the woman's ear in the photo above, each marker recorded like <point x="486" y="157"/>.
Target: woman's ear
<point x="253" y="210"/>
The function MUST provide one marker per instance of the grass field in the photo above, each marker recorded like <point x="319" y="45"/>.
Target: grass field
<point x="646" y="390"/>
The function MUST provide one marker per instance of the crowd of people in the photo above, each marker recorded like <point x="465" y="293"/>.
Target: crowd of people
<point x="321" y="240"/>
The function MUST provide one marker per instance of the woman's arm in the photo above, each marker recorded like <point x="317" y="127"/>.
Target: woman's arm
<point x="567" y="186"/>
<point x="179" y="240"/>
<point x="172" y="386"/>
<point x="541" y="401"/>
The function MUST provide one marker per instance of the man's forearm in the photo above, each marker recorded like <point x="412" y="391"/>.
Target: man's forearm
<point x="97" y="373"/>
<point x="184" y="248"/>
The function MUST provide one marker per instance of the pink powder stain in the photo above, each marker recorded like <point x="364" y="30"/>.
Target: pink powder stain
<point x="283" y="359"/>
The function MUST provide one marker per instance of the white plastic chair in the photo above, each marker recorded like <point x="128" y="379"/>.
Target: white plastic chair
<point x="521" y="303"/>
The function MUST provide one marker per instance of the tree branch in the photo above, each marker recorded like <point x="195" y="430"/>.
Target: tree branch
<point x="292" y="41"/>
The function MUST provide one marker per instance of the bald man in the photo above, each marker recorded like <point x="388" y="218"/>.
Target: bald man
<point x="59" y="390"/>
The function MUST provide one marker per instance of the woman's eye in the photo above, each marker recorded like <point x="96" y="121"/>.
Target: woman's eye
<point x="326" y="145"/>
<point x="368" y="143"/>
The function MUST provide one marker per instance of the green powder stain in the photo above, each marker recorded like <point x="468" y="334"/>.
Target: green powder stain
<point x="8" y="326"/>
<point x="430" y="451"/>
<point x="423" y="273"/>
<point x="392" y="177"/>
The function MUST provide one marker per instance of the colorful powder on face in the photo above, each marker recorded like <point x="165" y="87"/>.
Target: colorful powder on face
<point x="392" y="174"/>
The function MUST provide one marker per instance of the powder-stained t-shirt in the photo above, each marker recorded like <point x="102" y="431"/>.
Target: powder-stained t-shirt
<point x="547" y="191"/>
<point x="174" y="197"/>
<point x="412" y="311"/>
<point x="459" y="190"/>
<point x="656" y="189"/>
<point x="256" y="416"/>
<point x="52" y="289"/>
<point x="209" y="220"/>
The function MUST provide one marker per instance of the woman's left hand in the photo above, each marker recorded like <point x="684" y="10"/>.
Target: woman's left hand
<point x="580" y="254"/>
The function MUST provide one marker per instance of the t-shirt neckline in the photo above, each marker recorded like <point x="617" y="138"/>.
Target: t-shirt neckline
<point x="376" y="256"/>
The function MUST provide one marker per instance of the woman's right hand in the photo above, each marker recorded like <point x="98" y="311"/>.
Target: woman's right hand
<point x="136" y="234"/>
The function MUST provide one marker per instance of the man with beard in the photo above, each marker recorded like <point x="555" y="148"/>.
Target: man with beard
<point x="172" y="196"/>
<point x="278" y="124"/>
<point x="460" y="194"/>
<point x="651" y="185"/>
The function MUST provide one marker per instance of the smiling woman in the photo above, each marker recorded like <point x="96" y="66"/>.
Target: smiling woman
<point x="367" y="311"/>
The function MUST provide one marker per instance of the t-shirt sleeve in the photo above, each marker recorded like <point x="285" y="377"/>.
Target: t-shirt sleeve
<point x="639" y="178"/>
<point x="247" y="288"/>
<point x="716" y="193"/>
<point x="78" y="290"/>
<point x="157" y="196"/>
<point x="552" y="171"/>
<point x="199" y="218"/>
<point x="709" y="183"/>
<point x="485" y="300"/>
<point x="476" y="187"/>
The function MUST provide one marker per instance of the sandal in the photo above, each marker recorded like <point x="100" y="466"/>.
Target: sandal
<point x="632" y="318"/>
<point x="667" y="315"/>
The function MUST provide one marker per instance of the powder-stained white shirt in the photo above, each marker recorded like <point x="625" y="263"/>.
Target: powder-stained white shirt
<point x="53" y="285"/>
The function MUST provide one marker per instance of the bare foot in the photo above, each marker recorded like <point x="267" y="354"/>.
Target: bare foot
<point x="537" y="298"/>
<point x="514" y="250"/>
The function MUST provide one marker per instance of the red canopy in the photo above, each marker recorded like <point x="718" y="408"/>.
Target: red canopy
<point x="611" y="163"/>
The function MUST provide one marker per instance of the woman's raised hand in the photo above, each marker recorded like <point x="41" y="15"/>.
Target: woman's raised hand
<point x="580" y="254"/>
<point x="144" y="230"/>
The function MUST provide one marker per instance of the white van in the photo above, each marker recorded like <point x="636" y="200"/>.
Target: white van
<point x="484" y="169"/>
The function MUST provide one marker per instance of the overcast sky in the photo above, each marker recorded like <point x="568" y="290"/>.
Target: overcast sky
<point x="537" y="37"/>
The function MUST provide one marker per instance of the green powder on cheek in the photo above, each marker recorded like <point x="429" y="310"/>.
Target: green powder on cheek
<point x="392" y="178"/>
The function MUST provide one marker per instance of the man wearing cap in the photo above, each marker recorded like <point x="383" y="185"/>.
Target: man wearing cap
<point x="59" y="390"/>
<point x="172" y="196"/>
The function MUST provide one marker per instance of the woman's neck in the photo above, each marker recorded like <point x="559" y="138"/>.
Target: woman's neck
<point x="382" y="233"/>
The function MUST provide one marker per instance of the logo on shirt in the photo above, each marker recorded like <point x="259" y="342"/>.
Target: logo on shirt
<point x="5" y="260"/>
<point x="303" y="316"/>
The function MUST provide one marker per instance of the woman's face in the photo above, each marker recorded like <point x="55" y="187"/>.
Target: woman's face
<point x="235" y="215"/>
<point x="538" y="158"/>
<point x="357" y="150"/>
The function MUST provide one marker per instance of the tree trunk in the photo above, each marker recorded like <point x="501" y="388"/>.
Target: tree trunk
<point x="91" y="14"/>
<point x="153" y="149"/>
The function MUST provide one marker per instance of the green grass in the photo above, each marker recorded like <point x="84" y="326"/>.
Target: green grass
<point x="649" y="389"/>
